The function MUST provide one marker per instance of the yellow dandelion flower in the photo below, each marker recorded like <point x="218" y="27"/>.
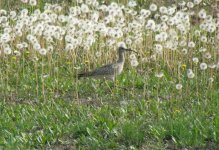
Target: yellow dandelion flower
<point x="68" y="62"/>
<point x="87" y="61"/>
<point x="176" y="111"/>
<point x="14" y="58"/>
<point x="183" y="66"/>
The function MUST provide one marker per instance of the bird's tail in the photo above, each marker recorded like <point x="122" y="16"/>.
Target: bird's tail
<point x="85" y="74"/>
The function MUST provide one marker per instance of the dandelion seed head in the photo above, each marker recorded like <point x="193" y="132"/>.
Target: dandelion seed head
<point x="195" y="60"/>
<point x="25" y="45"/>
<point x="150" y="24"/>
<point x="128" y="41"/>
<point x="158" y="48"/>
<point x="190" y="74"/>
<point x="153" y="7"/>
<point x="145" y="13"/>
<point x="134" y="63"/>
<point x="132" y="57"/>
<point x="43" y="51"/>
<point x="132" y="3"/>
<point x="164" y="18"/>
<point x="196" y="2"/>
<point x="190" y="4"/>
<point x="207" y="55"/>
<point x="202" y="14"/>
<point x="164" y="36"/>
<point x="202" y="49"/>
<point x="182" y="43"/>
<point x="212" y="66"/>
<point x="5" y="38"/>
<point x="208" y="18"/>
<point x="84" y="8"/>
<point x="19" y="46"/>
<point x="37" y="46"/>
<point x="159" y="74"/>
<point x="163" y="10"/>
<point x="50" y="48"/>
<point x="179" y="86"/>
<point x="33" y="2"/>
<point x="7" y="50"/>
<point x="191" y="44"/>
<point x="204" y="39"/>
<point x="79" y="1"/>
<point x="98" y="54"/>
<point x="171" y="11"/>
<point x="203" y="66"/>
<point x="197" y="32"/>
<point x="13" y="14"/>
<point x="211" y="79"/>
<point x="182" y="3"/>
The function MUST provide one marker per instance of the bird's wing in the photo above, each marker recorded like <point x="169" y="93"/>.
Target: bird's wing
<point x="108" y="69"/>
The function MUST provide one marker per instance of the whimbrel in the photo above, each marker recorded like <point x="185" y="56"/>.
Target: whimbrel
<point x="109" y="71"/>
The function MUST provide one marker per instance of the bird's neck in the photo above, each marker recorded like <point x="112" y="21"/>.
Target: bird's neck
<point x="121" y="58"/>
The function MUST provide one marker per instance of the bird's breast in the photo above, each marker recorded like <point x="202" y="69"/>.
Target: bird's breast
<point x="118" y="68"/>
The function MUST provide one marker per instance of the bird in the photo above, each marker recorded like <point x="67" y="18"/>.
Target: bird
<point x="109" y="71"/>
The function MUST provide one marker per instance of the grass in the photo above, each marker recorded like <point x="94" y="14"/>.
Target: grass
<point x="102" y="125"/>
<point x="101" y="119"/>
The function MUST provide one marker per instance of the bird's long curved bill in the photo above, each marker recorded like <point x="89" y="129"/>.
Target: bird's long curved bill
<point x="131" y="50"/>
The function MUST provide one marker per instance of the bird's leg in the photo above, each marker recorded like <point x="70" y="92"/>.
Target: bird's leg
<point x="108" y="85"/>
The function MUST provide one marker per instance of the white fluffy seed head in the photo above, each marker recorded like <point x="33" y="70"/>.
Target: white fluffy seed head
<point x="150" y="24"/>
<point x="7" y="50"/>
<point x="153" y="7"/>
<point x="204" y="39"/>
<point x="184" y="51"/>
<point x="195" y="60"/>
<point x="202" y="14"/>
<point x="203" y="66"/>
<point x="179" y="86"/>
<point x="158" y="48"/>
<point x="98" y="54"/>
<point x="132" y="3"/>
<point x="207" y="55"/>
<point x="159" y="74"/>
<point x="163" y="10"/>
<point x="190" y="74"/>
<point x="191" y="44"/>
<point x="43" y="51"/>
<point x="202" y="49"/>
<point x="190" y="4"/>
<point x="19" y="46"/>
<point x="196" y="2"/>
<point x="33" y="2"/>
<point x="134" y="63"/>
<point x="37" y="46"/>
<point x="211" y="79"/>
<point x="132" y="57"/>
<point x="212" y="66"/>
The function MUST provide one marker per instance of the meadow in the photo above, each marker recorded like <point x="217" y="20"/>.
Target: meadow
<point x="171" y="95"/>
